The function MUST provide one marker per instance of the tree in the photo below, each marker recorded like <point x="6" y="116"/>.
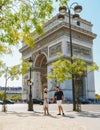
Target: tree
<point x="20" y="18"/>
<point x="12" y="73"/>
<point x="63" y="69"/>
<point x="15" y="71"/>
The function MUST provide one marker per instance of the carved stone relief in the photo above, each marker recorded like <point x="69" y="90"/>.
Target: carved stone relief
<point x="80" y="50"/>
<point x="54" y="49"/>
<point x="61" y="32"/>
<point x="51" y="38"/>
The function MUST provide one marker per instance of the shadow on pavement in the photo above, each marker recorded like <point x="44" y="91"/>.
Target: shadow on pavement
<point x="89" y="114"/>
<point x="25" y="114"/>
<point x="50" y="115"/>
<point x="69" y="116"/>
<point x="20" y="114"/>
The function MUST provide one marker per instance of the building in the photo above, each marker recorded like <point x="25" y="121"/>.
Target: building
<point x="11" y="90"/>
<point x="56" y="39"/>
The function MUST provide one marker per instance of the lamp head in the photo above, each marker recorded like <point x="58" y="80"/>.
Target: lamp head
<point x="62" y="9"/>
<point x="76" y="17"/>
<point x="29" y="82"/>
<point x="61" y="17"/>
<point x="78" y="8"/>
<point x="30" y="60"/>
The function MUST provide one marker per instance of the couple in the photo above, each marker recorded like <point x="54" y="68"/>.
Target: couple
<point x="59" y="96"/>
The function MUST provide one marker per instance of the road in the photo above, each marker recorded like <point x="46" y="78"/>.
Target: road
<point x="52" y="107"/>
<point x="18" y="118"/>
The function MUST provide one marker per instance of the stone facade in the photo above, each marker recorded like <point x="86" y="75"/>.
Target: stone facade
<point x="56" y="39"/>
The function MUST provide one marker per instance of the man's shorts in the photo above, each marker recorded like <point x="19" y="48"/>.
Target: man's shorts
<point x="59" y="102"/>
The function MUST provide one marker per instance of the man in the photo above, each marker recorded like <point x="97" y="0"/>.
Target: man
<point x="59" y="96"/>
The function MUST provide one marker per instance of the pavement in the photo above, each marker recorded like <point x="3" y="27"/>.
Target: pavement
<point x="18" y="118"/>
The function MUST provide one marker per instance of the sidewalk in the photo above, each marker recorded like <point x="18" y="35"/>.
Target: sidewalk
<point x="25" y="120"/>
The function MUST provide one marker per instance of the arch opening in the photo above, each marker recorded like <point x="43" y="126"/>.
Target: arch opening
<point x="41" y="67"/>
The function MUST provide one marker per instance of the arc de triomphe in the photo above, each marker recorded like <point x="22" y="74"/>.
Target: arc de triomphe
<point x="56" y="39"/>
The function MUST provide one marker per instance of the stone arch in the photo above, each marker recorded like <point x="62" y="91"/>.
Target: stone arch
<point x="41" y="68"/>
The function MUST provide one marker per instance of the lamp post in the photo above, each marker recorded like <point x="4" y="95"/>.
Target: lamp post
<point x="30" y="83"/>
<point x="77" y="9"/>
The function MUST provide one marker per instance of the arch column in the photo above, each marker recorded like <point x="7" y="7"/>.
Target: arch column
<point x="40" y="75"/>
<point x="37" y="89"/>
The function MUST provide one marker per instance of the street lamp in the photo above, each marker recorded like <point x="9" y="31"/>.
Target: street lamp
<point x="77" y="9"/>
<point x="30" y="83"/>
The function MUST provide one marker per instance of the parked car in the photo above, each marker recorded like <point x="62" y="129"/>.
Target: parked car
<point x="1" y="102"/>
<point x="8" y="101"/>
<point x="93" y="101"/>
<point x="84" y="101"/>
<point x="37" y="101"/>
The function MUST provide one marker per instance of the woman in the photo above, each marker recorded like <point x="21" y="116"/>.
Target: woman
<point x="45" y="105"/>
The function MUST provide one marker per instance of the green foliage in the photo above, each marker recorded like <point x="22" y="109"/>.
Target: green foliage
<point x="97" y="96"/>
<point x="15" y="71"/>
<point x="63" y="69"/>
<point x="15" y="97"/>
<point x="93" y="67"/>
<point x="62" y="2"/>
<point x="1" y="63"/>
<point x="25" y="67"/>
<point x="4" y="49"/>
<point x="1" y="95"/>
<point x="19" y="18"/>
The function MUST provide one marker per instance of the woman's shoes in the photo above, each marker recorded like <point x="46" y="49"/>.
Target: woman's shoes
<point x="46" y="114"/>
<point x="58" y="114"/>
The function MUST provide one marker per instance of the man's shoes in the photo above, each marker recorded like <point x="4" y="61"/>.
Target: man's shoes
<point x="58" y="114"/>
<point x="48" y="114"/>
<point x="63" y="114"/>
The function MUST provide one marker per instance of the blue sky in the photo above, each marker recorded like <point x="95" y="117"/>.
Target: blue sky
<point x="91" y="13"/>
